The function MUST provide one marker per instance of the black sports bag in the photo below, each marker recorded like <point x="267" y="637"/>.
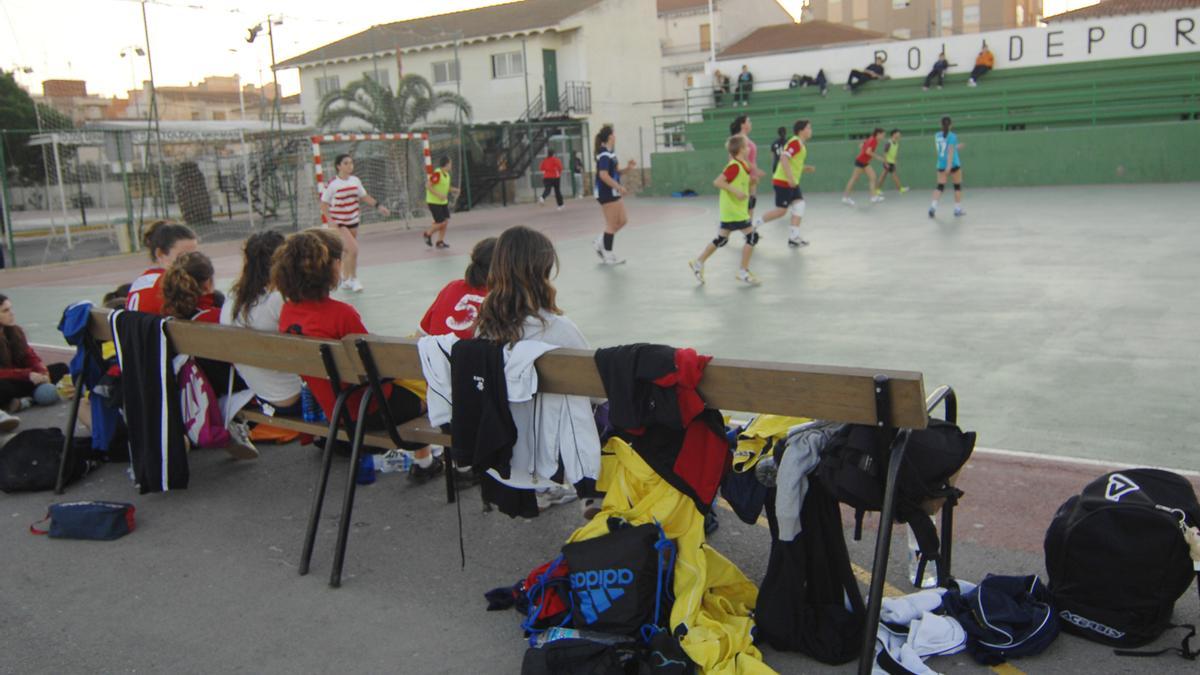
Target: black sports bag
<point x="1118" y="557"/>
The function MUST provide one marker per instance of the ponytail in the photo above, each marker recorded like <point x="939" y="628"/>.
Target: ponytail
<point x="601" y="138"/>
<point x="183" y="284"/>
<point x="162" y="235"/>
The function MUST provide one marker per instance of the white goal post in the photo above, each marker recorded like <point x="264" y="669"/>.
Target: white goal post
<point x="342" y="138"/>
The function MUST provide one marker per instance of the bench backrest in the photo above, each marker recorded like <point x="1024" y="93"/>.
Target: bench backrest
<point x="822" y="392"/>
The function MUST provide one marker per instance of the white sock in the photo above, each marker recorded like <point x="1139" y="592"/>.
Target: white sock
<point x="794" y="232"/>
<point x="424" y="462"/>
<point x="933" y="204"/>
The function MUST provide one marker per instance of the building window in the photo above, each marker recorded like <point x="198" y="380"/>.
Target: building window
<point x="970" y="16"/>
<point x="900" y="4"/>
<point x="218" y="114"/>
<point x="705" y="37"/>
<point x="508" y="64"/>
<point x="325" y="85"/>
<point x="947" y="22"/>
<point x="445" y="71"/>
<point x="195" y="115"/>
<point x="902" y="33"/>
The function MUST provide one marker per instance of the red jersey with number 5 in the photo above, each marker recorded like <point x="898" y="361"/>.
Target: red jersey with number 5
<point x="455" y="310"/>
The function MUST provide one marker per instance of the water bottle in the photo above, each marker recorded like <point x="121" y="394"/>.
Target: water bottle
<point x="558" y="633"/>
<point x="393" y="461"/>
<point x="310" y="410"/>
<point x="914" y="558"/>
<point x="366" y="470"/>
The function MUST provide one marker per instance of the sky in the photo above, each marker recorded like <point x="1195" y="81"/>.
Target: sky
<point x="189" y="39"/>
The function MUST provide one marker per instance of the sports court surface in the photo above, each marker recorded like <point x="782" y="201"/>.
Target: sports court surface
<point x="1067" y="319"/>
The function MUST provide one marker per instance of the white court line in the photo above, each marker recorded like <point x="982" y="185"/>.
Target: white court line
<point x="1081" y="461"/>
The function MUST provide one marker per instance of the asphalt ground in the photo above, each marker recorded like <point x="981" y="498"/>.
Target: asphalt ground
<point x="1065" y="318"/>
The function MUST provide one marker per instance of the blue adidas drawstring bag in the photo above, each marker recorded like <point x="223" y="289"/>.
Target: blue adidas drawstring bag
<point x="87" y="520"/>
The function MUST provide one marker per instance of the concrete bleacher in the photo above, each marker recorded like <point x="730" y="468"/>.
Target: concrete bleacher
<point x="1117" y="91"/>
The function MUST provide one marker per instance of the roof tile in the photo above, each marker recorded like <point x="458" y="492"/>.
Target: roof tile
<point x="793" y="36"/>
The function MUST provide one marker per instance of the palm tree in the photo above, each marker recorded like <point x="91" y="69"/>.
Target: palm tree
<point x="385" y="111"/>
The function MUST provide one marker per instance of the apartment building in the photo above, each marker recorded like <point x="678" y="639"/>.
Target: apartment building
<point x="910" y="19"/>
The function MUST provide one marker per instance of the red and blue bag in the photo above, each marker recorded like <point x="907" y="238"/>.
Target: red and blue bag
<point x="102" y="521"/>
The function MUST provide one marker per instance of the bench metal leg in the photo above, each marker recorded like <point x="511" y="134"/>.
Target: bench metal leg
<point x="451" y="475"/>
<point x="72" y="417"/>
<point x="883" y="546"/>
<point x="314" y="514"/>
<point x="339" y="555"/>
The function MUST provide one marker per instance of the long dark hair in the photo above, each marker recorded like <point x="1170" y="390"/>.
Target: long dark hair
<point x="162" y="235"/>
<point x="13" y="345"/>
<point x="518" y="284"/>
<point x="183" y="284"/>
<point x="252" y="285"/>
<point x="946" y="126"/>
<point x="735" y="127"/>
<point x="602" y="138"/>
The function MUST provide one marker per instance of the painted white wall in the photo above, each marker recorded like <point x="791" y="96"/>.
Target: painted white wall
<point x="1115" y="37"/>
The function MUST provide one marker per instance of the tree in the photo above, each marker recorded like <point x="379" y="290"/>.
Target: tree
<point x="377" y="106"/>
<point x="17" y="115"/>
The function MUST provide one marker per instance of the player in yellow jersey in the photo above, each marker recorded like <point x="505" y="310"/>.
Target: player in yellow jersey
<point x="733" y="186"/>
<point x="891" y="154"/>
<point x="786" y="179"/>
<point x="437" y="197"/>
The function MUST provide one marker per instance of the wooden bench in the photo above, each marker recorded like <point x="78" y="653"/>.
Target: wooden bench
<point x="887" y="399"/>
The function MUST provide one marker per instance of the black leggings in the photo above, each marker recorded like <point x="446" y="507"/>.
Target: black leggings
<point x="552" y="184"/>
<point x="978" y="72"/>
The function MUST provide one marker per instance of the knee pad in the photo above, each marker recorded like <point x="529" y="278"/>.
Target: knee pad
<point x="797" y="208"/>
<point x="941" y="187"/>
<point x="752" y="238"/>
<point x="958" y="187"/>
<point x="720" y="241"/>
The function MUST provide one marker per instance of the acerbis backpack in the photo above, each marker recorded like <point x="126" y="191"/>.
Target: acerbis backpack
<point x="853" y="469"/>
<point x="1118" y="557"/>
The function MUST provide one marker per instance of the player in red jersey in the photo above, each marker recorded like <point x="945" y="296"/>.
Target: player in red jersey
<point x="164" y="241"/>
<point x="456" y="308"/>
<point x="862" y="164"/>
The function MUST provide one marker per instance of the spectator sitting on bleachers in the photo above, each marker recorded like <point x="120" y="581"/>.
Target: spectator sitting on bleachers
<point x="938" y="73"/>
<point x="720" y="87"/>
<point x="860" y="77"/>
<point x="807" y="80"/>
<point x="983" y="65"/>
<point x="745" y="84"/>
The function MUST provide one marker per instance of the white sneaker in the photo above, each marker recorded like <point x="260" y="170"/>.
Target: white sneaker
<point x="971" y="83"/>
<point x="541" y="201"/>
<point x="697" y="269"/>
<point x="959" y="211"/>
<point x="240" y="446"/>
<point x="8" y="423"/>
<point x="598" y="244"/>
<point x="797" y="243"/>
<point x="847" y="201"/>
<point x="355" y="285"/>
<point x="876" y="199"/>
<point x="345" y="285"/>
<point x="611" y="258"/>
<point x="748" y="277"/>
<point x="559" y="209"/>
<point x="555" y="495"/>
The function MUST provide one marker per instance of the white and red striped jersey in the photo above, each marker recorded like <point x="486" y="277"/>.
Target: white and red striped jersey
<point x="342" y="195"/>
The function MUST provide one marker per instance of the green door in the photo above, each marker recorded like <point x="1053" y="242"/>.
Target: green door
<point x="550" y="72"/>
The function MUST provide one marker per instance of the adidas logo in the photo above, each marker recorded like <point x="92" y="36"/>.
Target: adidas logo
<point x="596" y="589"/>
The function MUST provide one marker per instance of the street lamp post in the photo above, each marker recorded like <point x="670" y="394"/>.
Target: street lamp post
<point x="154" y="114"/>
<point x="127" y="52"/>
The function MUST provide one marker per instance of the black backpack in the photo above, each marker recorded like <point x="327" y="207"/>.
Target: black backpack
<point x="29" y="461"/>
<point x="853" y="469"/>
<point x="1117" y="557"/>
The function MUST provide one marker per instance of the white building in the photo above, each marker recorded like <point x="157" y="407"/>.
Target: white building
<point x="605" y="61"/>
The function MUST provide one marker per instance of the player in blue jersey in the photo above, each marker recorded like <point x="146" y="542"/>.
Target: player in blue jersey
<point x="946" y="142"/>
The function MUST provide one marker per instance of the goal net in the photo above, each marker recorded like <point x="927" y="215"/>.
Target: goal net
<point x="392" y="168"/>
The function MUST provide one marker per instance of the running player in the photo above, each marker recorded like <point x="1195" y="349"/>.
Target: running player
<point x="437" y="197"/>
<point x="862" y="164"/>
<point x="741" y="127"/>
<point x="734" y="188"/>
<point x="891" y="152"/>
<point x="786" y="180"/>
<point x="339" y="205"/>
<point x="608" y="192"/>
<point x="946" y="142"/>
